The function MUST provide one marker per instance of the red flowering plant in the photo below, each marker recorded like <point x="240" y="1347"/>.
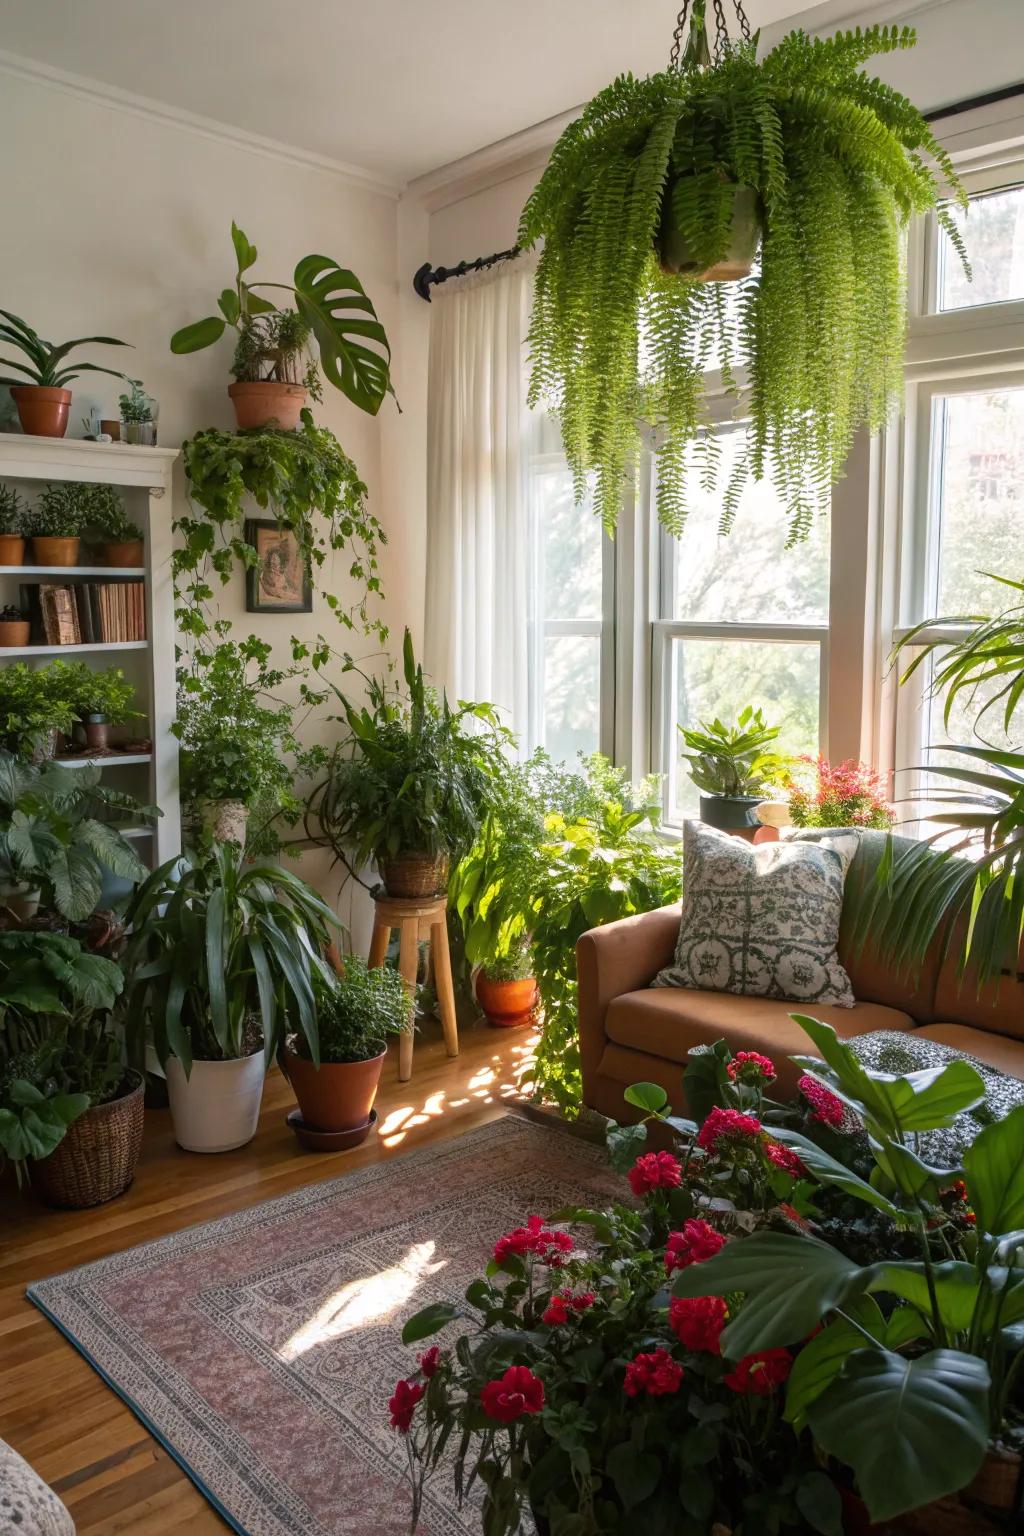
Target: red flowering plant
<point x="847" y="794"/>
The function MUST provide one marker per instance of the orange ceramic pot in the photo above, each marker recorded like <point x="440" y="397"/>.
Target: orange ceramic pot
<point x="43" y="412"/>
<point x="12" y="549"/>
<point x="129" y="552"/>
<point x="507" y="1004"/>
<point x="47" y="551"/>
<point x="266" y="404"/>
<point x="336" y="1096"/>
<point x="13" y="632"/>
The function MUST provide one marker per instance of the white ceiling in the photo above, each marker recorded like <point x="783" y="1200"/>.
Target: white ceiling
<point x="396" y="87"/>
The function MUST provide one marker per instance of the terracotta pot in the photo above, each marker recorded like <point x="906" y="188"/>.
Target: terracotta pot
<point x="97" y="732"/>
<point x="217" y="1107"/>
<point x="43" y="412"/>
<point x="225" y="820"/>
<point x="112" y="428"/>
<point x="336" y="1096"/>
<point x="14" y="632"/>
<point x="410" y="875"/>
<point x="507" y="1004"/>
<point x="264" y="404"/>
<point x="676" y="256"/>
<point x="12" y="549"/>
<point x="129" y="552"/>
<point x="48" y="551"/>
<point x="97" y="1158"/>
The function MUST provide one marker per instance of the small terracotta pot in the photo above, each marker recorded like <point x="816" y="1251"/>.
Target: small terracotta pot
<point x="129" y="552"/>
<point x="507" y="1004"/>
<point x="97" y="732"/>
<point x="225" y="820"/>
<point x="13" y="632"/>
<point x="12" y="549"/>
<point x="264" y="404"/>
<point x="47" y="551"/>
<point x="336" y="1096"/>
<point x="410" y="875"/>
<point x="112" y="429"/>
<point x="43" y="412"/>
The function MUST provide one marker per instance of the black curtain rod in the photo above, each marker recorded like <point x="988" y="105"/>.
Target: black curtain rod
<point x="428" y="277"/>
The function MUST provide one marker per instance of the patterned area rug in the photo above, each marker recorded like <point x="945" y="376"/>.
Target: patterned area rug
<point x="261" y="1349"/>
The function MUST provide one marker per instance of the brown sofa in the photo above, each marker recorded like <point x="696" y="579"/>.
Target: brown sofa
<point x="631" y="1032"/>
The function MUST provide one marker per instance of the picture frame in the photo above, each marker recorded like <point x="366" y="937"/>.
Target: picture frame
<point x="281" y="580"/>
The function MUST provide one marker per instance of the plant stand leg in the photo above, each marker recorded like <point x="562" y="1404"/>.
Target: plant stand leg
<point x="408" y="962"/>
<point x="379" y="943"/>
<point x="443" y="985"/>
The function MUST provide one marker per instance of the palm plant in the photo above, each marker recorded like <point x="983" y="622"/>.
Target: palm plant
<point x="641" y="199"/>
<point x="45" y="363"/>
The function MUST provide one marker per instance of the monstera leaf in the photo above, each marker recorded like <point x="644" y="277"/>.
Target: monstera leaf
<point x="354" y="350"/>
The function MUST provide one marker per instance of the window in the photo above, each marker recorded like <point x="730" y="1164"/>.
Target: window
<point x="993" y="231"/>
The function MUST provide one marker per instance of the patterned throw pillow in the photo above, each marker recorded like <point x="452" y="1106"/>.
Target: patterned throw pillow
<point x="761" y="921"/>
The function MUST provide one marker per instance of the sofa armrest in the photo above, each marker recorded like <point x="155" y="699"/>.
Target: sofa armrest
<point x="620" y="957"/>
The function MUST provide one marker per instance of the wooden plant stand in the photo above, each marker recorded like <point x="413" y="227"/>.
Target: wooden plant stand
<point x="416" y="918"/>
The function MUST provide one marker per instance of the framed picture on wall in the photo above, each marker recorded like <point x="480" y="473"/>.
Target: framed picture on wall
<point x="280" y="581"/>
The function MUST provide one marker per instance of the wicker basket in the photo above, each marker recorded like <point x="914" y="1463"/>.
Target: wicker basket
<point x="988" y="1507"/>
<point x="415" y="874"/>
<point x="96" y="1159"/>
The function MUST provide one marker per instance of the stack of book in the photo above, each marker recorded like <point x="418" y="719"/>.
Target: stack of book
<point x="85" y="613"/>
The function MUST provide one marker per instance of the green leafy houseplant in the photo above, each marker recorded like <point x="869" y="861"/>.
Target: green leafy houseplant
<point x="34" y="704"/>
<point x="734" y="759"/>
<point x="45" y="364"/>
<point x="332" y="305"/>
<point x="275" y="348"/>
<point x="835" y="163"/>
<point x="12" y="511"/>
<point x="413" y="776"/>
<point x="516" y="965"/>
<point x="222" y="952"/>
<point x="60" y="512"/>
<point x="356" y="1013"/>
<point x="104" y="517"/>
<point x="106" y="693"/>
<point x="136" y="406"/>
<point x="57" y="1054"/>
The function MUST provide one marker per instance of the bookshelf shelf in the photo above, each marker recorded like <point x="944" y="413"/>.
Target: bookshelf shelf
<point x="58" y="650"/>
<point x="64" y="572"/>
<point x="113" y="760"/>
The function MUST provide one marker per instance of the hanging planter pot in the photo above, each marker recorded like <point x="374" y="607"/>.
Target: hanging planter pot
<point x="678" y="256"/>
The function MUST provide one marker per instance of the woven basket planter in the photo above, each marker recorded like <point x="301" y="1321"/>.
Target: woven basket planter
<point x="96" y="1160"/>
<point x="415" y="874"/>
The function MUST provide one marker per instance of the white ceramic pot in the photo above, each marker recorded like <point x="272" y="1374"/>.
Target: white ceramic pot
<point x="217" y="1106"/>
<point x="225" y="820"/>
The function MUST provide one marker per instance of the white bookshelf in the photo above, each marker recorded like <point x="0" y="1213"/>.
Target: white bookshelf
<point x="144" y="476"/>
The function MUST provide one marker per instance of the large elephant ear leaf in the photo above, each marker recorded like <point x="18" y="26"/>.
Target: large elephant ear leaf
<point x="203" y="333"/>
<point x="354" y="351"/>
<point x="912" y="1430"/>
<point x="112" y="849"/>
<point x="994" y="1165"/>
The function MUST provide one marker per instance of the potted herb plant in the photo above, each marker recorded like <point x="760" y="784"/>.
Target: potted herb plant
<point x="412" y="782"/>
<point x="14" y="626"/>
<point x="331" y="307"/>
<point x="12" y="533"/>
<point x="43" y="404"/>
<point x="221" y="952"/>
<point x="733" y="767"/>
<point x="70" y="1110"/>
<point x="55" y="523"/>
<point x="661" y="188"/>
<point x="103" y="699"/>
<point x="506" y="987"/>
<point x="356" y="1012"/>
<point x="138" y="416"/>
<point x="107" y="524"/>
<point x="36" y="705"/>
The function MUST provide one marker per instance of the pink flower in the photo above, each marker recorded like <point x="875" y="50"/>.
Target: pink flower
<point x="516" y="1393"/>
<point x="654" y="1170"/>
<point x="751" y="1067"/>
<point x="785" y="1158"/>
<point x="825" y="1107"/>
<point x="429" y="1361"/>
<point x="656" y="1374"/>
<point x="697" y="1322"/>
<point x="759" y="1375"/>
<point x="728" y="1125"/>
<point x="403" y="1402"/>
<point x="536" y="1239"/>
<point x="696" y="1243"/>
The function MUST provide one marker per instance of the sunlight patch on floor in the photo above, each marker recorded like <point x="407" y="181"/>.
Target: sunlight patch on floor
<point x="370" y="1299"/>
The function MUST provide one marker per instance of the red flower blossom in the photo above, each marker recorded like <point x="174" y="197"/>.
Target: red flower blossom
<point x="543" y="1242"/>
<point x="792" y="1214"/>
<point x="562" y="1304"/>
<point x="429" y="1361"/>
<point x="656" y="1374"/>
<point x="696" y="1243"/>
<point x="516" y="1393"/>
<point x="759" y="1375"/>
<point x="825" y="1107"/>
<point x="751" y="1067"/>
<point x="697" y="1321"/>
<point x="654" y="1170"/>
<point x="785" y="1158"/>
<point x="402" y="1403"/>
<point x="727" y="1124"/>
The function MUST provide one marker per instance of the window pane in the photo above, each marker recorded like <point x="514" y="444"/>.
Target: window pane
<point x="748" y="575"/>
<point x="718" y="678"/>
<point x="977" y="494"/>
<point x="993" y="231"/>
<point x="571" y="539"/>
<point x="571" y="696"/>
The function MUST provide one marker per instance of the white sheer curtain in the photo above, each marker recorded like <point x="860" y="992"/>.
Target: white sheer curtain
<point x="479" y="435"/>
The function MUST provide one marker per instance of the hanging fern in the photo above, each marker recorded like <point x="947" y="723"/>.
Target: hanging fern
<point x="839" y="162"/>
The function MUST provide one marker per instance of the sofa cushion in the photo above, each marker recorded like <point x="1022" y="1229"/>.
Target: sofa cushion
<point x="999" y="1051"/>
<point x="28" y="1507"/>
<point x="761" y="921"/>
<point x="997" y="1009"/>
<point x="669" y="1021"/>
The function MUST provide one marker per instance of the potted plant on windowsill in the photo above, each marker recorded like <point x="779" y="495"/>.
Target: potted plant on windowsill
<point x="43" y="404"/>
<point x="733" y="768"/>
<point x="272" y="367"/>
<point x="506" y="988"/>
<point x="14" y="626"/>
<point x="221" y="952"/>
<point x="411" y="784"/>
<point x="12" y="529"/>
<point x="107" y="525"/>
<point x="55" y="524"/>
<point x="356" y="1012"/>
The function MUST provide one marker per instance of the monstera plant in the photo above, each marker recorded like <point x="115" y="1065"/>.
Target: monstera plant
<point x="660" y="193"/>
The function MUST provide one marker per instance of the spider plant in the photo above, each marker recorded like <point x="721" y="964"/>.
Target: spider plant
<point x="45" y="363"/>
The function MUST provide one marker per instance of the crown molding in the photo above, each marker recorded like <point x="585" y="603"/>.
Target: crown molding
<point x="99" y="92"/>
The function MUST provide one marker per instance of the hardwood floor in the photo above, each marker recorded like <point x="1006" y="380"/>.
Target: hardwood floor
<point x="55" y="1409"/>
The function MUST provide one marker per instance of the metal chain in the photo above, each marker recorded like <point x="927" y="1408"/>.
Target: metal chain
<point x="721" y="29"/>
<point x="677" y="36"/>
